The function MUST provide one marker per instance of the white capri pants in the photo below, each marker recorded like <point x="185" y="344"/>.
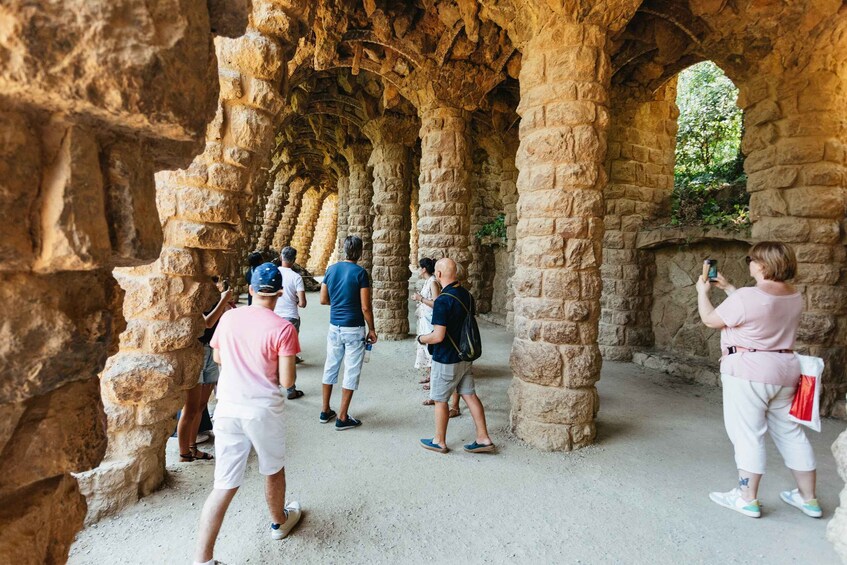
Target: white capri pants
<point x="749" y="410"/>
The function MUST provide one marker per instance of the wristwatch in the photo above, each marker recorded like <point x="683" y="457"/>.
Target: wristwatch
<point x="418" y="339"/>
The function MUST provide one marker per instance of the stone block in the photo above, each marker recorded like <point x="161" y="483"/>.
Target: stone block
<point x="136" y="378"/>
<point x="552" y="405"/>
<point x="816" y="202"/>
<point x="252" y="54"/>
<point x="249" y="128"/>
<point x="20" y="164"/>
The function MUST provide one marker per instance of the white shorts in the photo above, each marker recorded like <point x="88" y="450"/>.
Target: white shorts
<point x="233" y="439"/>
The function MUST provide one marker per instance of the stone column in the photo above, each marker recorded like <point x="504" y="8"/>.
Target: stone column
<point x="443" y="222"/>
<point x="202" y="210"/>
<point x="343" y="220"/>
<point x="273" y="208"/>
<point x="306" y="221"/>
<point x="640" y="162"/>
<point x="392" y="139"/>
<point x="288" y="221"/>
<point x="509" y="197"/>
<point x="413" y="234"/>
<point x="564" y="80"/>
<point x="359" y="198"/>
<point x="323" y="243"/>
<point x="79" y="144"/>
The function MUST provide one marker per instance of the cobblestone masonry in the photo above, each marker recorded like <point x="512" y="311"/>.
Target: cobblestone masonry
<point x="290" y="213"/>
<point x="323" y="244"/>
<point x="306" y="222"/>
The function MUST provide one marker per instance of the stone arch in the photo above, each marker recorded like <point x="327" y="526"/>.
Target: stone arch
<point x="324" y="241"/>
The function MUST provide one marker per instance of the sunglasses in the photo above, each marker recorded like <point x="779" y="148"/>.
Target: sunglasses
<point x="748" y="259"/>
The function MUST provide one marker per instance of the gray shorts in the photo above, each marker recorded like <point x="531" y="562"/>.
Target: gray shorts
<point x="210" y="372"/>
<point x="447" y="379"/>
<point x="295" y="322"/>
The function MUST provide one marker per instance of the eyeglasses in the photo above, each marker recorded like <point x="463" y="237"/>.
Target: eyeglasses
<point x="749" y="259"/>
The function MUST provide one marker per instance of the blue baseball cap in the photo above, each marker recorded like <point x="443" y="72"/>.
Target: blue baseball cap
<point x="266" y="280"/>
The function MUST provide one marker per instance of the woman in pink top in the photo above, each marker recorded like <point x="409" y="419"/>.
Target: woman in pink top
<point x="759" y="373"/>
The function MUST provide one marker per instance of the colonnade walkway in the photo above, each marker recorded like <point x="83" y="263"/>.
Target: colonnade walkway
<point x="371" y="495"/>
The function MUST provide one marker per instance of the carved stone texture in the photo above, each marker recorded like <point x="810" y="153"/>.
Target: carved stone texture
<point x="202" y="210"/>
<point x="306" y="221"/>
<point x="359" y="198"/>
<point x="640" y="161"/>
<point x="443" y="215"/>
<point x="555" y="358"/>
<point x="836" y="531"/>
<point x="273" y="208"/>
<point x="290" y="212"/>
<point x="343" y="219"/>
<point x="391" y="163"/>
<point x="323" y="244"/>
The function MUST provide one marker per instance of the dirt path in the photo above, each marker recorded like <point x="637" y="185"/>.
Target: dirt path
<point x="371" y="495"/>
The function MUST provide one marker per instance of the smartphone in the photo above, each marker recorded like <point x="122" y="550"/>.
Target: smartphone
<point x="713" y="270"/>
<point x="225" y="284"/>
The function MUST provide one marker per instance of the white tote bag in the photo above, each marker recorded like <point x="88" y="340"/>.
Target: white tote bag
<point x="806" y="406"/>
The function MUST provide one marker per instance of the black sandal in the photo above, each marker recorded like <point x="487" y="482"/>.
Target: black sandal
<point x="199" y="455"/>
<point x="295" y="394"/>
<point x="186" y="457"/>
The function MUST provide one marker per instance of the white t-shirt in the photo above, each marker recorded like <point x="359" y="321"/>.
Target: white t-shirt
<point x="292" y="283"/>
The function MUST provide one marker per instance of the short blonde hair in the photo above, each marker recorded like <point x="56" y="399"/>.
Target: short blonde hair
<point x="777" y="260"/>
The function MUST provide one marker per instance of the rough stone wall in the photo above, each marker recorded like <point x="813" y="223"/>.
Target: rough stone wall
<point x="484" y="207"/>
<point x="343" y="219"/>
<point x="564" y="81"/>
<point x="201" y="209"/>
<point x="304" y="233"/>
<point x="444" y="195"/>
<point x="509" y="198"/>
<point x="290" y="213"/>
<point x="414" y="257"/>
<point x="323" y="242"/>
<point x="391" y="161"/>
<point x="86" y="120"/>
<point x="836" y="531"/>
<point x="640" y="162"/>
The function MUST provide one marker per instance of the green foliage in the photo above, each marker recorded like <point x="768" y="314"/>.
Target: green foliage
<point x="494" y="228"/>
<point x="709" y="182"/>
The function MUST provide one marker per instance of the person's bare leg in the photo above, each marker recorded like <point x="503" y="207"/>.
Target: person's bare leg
<point x="346" y="397"/>
<point x="327" y="394"/>
<point x="188" y="420"/>
<point x="806" y="483"/>
<point x="205" y="393"/>
<point x="454" y="401"/>
<point x="441" y="419"/>
<point x="478" y="415"/>
<point x="211" y="519"/>
<point x="748" y="484"/>
<point x="275" y="495"/>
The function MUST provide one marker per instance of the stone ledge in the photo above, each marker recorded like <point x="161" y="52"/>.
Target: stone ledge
<point x="702" y="371"/>
<point x="494" y="318"/>
<point x="664" y="236"/>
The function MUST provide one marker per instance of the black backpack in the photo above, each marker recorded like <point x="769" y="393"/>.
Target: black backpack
<point x="469" y="347"/>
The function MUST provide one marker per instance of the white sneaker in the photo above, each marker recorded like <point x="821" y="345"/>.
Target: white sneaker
<point x="734" y="501"/>
<point x="808" y="507"/>
<point x="292" y="517"/>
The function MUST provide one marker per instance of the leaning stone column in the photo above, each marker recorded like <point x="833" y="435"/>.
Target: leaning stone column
<point x="288" y="221"/>
<point x="273" y="208"/>
<point x="323" y="243"/>
<point x="343" y="220"/>
<point x="308" y="218"/>
<point x="82" y="132"/>
<point x="443" y="222"/>
<point x="564" y="80"/>
<point x="392" y="139"/>
<point x="359" y="198"/>
<point x="642" y="141"/>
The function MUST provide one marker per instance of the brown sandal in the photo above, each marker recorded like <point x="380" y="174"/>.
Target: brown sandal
<point x="423" y="381"/>
<point x="199" y="455"/>
<point x="428" y="402"/>
<point x="453" y="413"/>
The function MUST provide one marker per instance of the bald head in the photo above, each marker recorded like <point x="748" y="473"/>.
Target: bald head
<point x="445" y="271"/>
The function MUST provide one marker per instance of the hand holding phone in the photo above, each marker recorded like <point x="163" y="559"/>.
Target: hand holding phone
<point x="710" y="270"/>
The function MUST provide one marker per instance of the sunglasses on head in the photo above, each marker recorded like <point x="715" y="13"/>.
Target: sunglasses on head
<point x="749" y="259"/>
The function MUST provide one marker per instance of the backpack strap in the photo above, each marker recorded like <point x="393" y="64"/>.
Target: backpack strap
<point x="467" y="312"/>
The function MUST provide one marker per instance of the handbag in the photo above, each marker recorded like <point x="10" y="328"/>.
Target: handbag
<point x="805" y="409"/>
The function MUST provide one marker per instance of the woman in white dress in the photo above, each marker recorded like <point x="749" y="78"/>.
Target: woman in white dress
<point x="425" y="299"/>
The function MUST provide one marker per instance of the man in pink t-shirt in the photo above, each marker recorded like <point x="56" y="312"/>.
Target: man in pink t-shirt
<point x="255" y="349"/>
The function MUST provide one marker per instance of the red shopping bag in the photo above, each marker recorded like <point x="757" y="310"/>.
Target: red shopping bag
<point x="805" y="409"/>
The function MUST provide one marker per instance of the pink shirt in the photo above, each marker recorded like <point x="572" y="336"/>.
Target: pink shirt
<point x="757" y="320"/>
<point x="251" y="341"/>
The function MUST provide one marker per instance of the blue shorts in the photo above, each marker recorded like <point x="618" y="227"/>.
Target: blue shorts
<point x="210" y="372"/>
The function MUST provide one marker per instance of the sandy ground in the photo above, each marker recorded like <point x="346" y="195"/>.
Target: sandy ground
<point x="371" y="495"/>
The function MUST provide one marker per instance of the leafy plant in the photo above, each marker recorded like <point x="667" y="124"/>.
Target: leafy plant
<point x="494" y="228"/>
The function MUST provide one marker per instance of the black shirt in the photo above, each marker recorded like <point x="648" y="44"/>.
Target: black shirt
<point x="449" y="313"/>
<point x="209" y="332"/>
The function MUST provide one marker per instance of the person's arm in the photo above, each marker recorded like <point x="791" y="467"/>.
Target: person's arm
<point x="212" y="317"/>
<point x="437" y="336"/>
<point x="707" y="312"/>
<point x="216" y="355"/>
<point x="435" y="292"/>
<point x="367" y="312"/>
<point x="324" y="295"/>
<point x="301" y="298"/>
<point x="724" y="285"/>
<point x="287" y="374"/>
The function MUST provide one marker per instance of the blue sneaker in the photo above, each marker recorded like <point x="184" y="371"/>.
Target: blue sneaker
<point x="432" y="446"/>
<point x="327" y="416"/>
<point x="347" y="424"/>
